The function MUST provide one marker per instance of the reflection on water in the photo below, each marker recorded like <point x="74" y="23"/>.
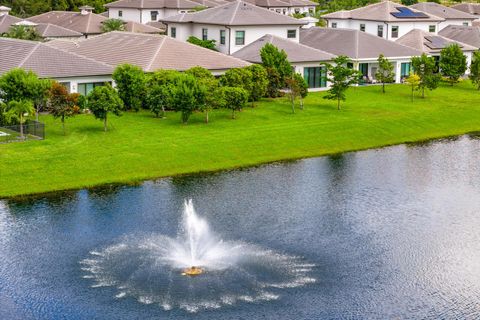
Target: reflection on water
<point x="393" y="233"/>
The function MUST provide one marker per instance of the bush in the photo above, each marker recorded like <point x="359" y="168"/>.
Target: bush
<point x="208" y="44"/>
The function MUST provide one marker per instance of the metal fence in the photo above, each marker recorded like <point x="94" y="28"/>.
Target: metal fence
<point x="30" y="130"/>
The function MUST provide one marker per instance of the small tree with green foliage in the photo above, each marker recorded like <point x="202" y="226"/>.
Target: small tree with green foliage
<point x="23" y="33"/>
<point x="298" y="88"/>
<point x="113" y="24"/>
<point x="413" y="80"/>
<point x="158" y="99"/>
<point x="259" y="82"/>
<point x="187" y="95"/>
<point x="19" y="109"/>
<point x="277" y="66"/>
<point x="341" y="77"/>
<point x="130" y="81"/>
<point x="385" y="73"/>
<point x="475" y="69"/>
<point x="240" y="78"/>
<point x="104" y="100"/>
<point x="208" y="44"/>
<point x="453" y="63"/>
<point x="214" y="96"/>
<point x="409" y="2"/>
<point x="424" y="67"/>
<point x="62" y="105"/>
<point x="235" y="99"/>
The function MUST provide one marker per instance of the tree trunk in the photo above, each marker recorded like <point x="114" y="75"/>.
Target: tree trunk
<point x="301" y="103"/>
<point x="383" y="87"/>
<point x="163" y="112"/>
<point x="36" y="113"/>
<point x="63" y="124"/>
<point x="206" y="116"/>
<point x="338" y="104"/>
<point x="233" y="113"/>
<point x="423" y="92"/>
<point x="412" y="92"/>
<point x="293" y="104"/>
<point x="105" y="124"/>
<point x="21" y="126"/>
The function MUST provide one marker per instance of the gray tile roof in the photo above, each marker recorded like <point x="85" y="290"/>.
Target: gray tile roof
<point x="236" y="13"/>
<point x="48" y="30"/>
<point x="87" y="24"/>
<point x="428" y="42"/>
<point x="472" y="8"/>
<point x="6" y="21"/>
<point x="381" y="11"/>
<point x="131" y="26"/>
<point x="296" y="52"/>
<point x="280" y="3"/>
<point x="46" y="61"/>
<point x="464" y="34"/>
<point x="150" y="52"/>
<point x="442" y="11"/>
<point x="353" y="43"/>
<point x="153" y="4"/>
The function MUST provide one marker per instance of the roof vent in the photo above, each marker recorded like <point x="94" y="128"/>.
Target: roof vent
<point x="84" y="10"/>
<point x="4" y="10"/>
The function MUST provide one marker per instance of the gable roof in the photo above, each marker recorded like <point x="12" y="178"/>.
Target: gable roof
<point x="153" y="4"/>
<point x="428" y="42"/>
<point x="381" y="11"/>
<point x="353" y="43"/>
<point x="472" y="8"/>
<point x="468" y="35"/>
<point x="6" y="22"/>
<point x="296" y="52"/>
<point x="89" y="23"/>
<point x="442" y="11"/>
<point x="46" y="61"/>
<point x="157" y="52"/>
<point x="236" y="13"/>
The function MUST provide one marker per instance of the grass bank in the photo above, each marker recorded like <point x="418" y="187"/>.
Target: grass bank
<point x="139" y="147"/>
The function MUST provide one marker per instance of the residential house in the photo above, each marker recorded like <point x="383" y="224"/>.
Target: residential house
<point x="150" y="52"/>
<point x="463" y="34"/>
<point x="233" y="25"/>
<point x="74" y="71"/>
<point x="451" y="15"/>
<point x="48" y="31"/>
<point x="386" y="19"/>
<point x="432" y="44"/>
<point x="306" y="60"/>
<point x="471" y="8"/>
<point x="286" y="7"/>
<point x="6" y="20"/>
<point x="362" y="48"/>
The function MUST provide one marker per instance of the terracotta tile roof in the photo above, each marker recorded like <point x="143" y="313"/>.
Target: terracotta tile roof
<point x="353" y="43"/>
<point x="428" y="42"/>
<point x="296" y="52"/>
<point x="442" y="11"/>
<point x="46" y="61"/>
<point x="464" y="34"/>
<point x="381" y="11"/>
<point x="157" y="52"/>
<point x="236" y="13"/>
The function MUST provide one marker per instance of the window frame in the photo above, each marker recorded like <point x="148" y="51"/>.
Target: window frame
<point x="173" y="32"/>
<point x="396" y="32"/>
<point x="237" y="43"/>
<point x="380" y="30"/>
<point x="222" y="37"/>
<point x="120" y="13"/>
<point x="204" y="34"/>
<point x="152" y="14"/>
<point x="334" y="25"/>
<point x="432" y="27"/>
<point x="294" y="34"/>
<point x="362" y="27"/>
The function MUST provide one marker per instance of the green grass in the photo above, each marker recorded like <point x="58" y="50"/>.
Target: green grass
<point x="139" y="146"/>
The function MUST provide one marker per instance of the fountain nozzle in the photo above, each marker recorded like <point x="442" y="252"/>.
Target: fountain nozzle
<point x="192" y="271"/>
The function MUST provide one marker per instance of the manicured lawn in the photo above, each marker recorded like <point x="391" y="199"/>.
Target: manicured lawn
<point x="139" y="146"/>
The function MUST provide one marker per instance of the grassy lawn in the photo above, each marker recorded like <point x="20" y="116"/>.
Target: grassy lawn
<point x="139" y="146"/>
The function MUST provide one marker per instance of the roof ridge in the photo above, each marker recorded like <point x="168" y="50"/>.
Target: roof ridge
<point x="160" y="46"/>
<point x="301" y="44"/>
<point x="235" y="12"/>
<point x="29" y="55"/>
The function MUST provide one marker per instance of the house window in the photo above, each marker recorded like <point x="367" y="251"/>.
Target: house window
<point x="291" y="34"/>
<point x="311" y="10"/>
<point x="431" y="28"/>
<point x="315" y="77"/>
<point x="465" y="24"/>
<point x="239" y="38"/>
<point x="120" y="13"/>
<point x="204" y="34"/>
<point x="334" y="25"/>
<point x="394" y="31"/>
<point x="222" y="36"/>
<point x="297" y="10"/>
<point x="153" y="15"/>
<point x="380" y="31"/>
<point x="362" y="27"/>
<point x="173" y="32"/>
<point x="405" y="69"/>
<point x="85" y="88"/>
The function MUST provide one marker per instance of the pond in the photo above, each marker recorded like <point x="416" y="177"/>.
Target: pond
<point x="380" y="234"/>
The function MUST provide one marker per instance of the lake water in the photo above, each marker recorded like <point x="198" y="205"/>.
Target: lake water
<point x="392" y="233"/>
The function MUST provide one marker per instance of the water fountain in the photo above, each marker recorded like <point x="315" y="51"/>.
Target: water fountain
<point x="195" y="270"/>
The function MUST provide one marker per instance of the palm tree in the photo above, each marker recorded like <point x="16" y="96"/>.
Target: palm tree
<point x="23" y="33"/>
<point x="19" y="108"/>
<point x="113" y="25"/>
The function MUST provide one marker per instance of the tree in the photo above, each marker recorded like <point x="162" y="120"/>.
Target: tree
<point x="277" y="66"/>
<point x="214" y="97"/>
<point x="475" y="69"/>
<point x="158" y="99"/>
<point x="187" y="95"/>
<point x="19" y="109"/>
<point x="18" y="84"/>
<point x="208" y="44"/>
<point x="298" y="87"/>
<point x="23" y="33"/>
<point x="384" y="72"/>
<point x="130" y="81"/>
<point x="113" y="25"/>
<point x="103" y="100"/>
<point x="62" y="104"/>
<point x="409" y="2"/>
<point x="40" y="92"/>
<point x="413" y="80"/>
<point x="341" y="78"/>
<point x="259" y="82"/>
<point x="453" y="63"/>
<point x="240" y="78"/>
<point x="424" y="67"/>
<point x="235" y="98"/>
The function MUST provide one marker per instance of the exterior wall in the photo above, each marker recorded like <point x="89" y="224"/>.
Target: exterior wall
<point x="371" y="27"/>
<point x="75" y="81"/>
<point x="128" y="14"/>
<point x="455" y="22"/>
<point x="372" y="63"/>
<point x="142" y="15"/>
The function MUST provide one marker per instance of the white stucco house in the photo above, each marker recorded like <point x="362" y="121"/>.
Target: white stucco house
<point x="362" y="48"/>
<point x="233" y="25"/>
<point x="452" y="16"/>
<point x="386" y="19"/>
